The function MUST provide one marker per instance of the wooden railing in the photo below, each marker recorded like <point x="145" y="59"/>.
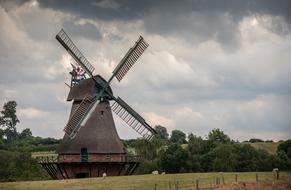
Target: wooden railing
<point x="46" y="159"/>
<point x="86" y="158"/>
<point x="133" y="159"/>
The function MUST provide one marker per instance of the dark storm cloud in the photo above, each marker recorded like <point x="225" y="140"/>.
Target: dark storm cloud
<point x="130" y="9"/>
<point x="216" y="20"/>
<point x="106" y="10"/>
<point x="193" y="27"/>
<point x="86" y="30"/>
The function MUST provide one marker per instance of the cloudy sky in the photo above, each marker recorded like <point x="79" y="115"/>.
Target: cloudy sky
<point x="210" y="64"/>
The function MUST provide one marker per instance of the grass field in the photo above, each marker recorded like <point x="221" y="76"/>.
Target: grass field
<point x="140" y="182"/>
<point x="270" y="147"/>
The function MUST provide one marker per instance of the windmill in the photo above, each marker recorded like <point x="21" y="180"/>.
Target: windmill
<point x="91" y="146"/>
<point x="104" y="93"/>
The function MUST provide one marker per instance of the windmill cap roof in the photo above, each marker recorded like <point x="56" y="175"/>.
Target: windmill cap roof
<point x="86" y="87"/>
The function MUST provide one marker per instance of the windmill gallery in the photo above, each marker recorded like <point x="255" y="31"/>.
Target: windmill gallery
<point x="91" y="146"/>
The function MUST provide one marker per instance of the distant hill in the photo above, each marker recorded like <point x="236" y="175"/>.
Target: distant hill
<point x="270" y="147"/>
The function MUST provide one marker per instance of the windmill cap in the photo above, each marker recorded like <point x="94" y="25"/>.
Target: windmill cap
<point x="86" y="87"/>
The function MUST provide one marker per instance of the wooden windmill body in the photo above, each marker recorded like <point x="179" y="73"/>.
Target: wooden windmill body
<point x="91" y="146"/>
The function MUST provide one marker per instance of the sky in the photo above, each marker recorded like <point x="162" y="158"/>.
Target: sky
<point x="210" y="64"/>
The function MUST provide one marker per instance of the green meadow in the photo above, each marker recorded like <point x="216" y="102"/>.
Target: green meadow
<point x="142" y="182"/>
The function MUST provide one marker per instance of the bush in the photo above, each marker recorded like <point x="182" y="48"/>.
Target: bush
<point x="285" y="147"/>
<point x="175" y="159"/>
<point x="19" y="166"/>
<point x="255" y="140"/>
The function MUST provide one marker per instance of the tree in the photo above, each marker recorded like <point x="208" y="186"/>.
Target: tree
<point x="178" y="137"/>
<point x="218" y="136"/>
<point x="264" y="161"/>
<point x="207" y="161"/>
<point x="147" y="149"/>
<point x="254" y="140"/>
<point x="2" y="134"/>
<point x="225" y="158"/>
<point x="195" y="163"/>
<point x="195" y="144"/>
<point x="8" y="120"/>
<point x="246" y="154"/>
<point x="26" y="133"/>
<point x="175" y="159"/>
<point x="284" y="161"/>
<point x="162" y="132"/>
<point x="286" y="147"/>
<point x="19" y="166"/>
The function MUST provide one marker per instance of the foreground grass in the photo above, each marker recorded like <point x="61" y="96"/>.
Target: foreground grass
<point x="140" y="182"/>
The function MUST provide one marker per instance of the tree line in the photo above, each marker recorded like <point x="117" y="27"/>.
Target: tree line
<point x="16" y="162"/>
<point x="175" y="153"/>
<point x="215" y="153"/>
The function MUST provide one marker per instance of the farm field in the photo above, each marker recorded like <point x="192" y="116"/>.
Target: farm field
<point x="270" y="147"/>
<point x="144" y="182"/>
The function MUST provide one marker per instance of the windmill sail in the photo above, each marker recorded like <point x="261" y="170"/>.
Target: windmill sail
<point x="74" y="124"/>
<point x="130" y="58"/>
<point x="68" y="44"/>
<point x="132" y="118"/>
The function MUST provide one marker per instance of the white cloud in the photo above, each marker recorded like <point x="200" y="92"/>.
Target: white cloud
<point x="253" y="104"/>
<point x="255" y="29"/>
<point x="188" y="113"/>
<point x="8" y="93"/>
<point x="32" y="113"/>
<point x="157" y="119"/>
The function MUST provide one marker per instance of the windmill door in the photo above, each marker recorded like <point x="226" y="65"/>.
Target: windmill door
<point x="84" y="155"/>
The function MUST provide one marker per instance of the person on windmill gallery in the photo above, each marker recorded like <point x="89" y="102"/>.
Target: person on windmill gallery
<point x="78" y="74"/>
